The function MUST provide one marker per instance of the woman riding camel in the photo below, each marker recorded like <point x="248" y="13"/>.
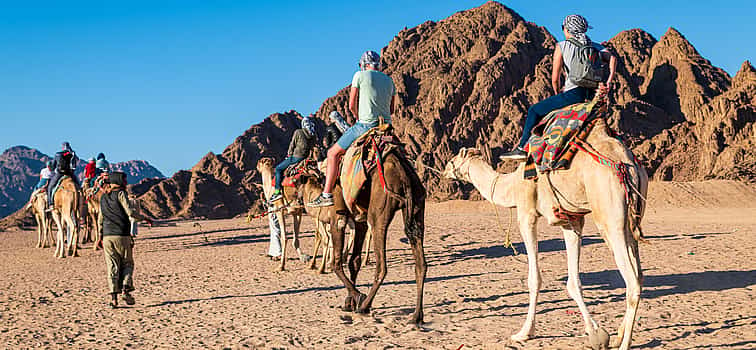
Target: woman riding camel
<point x="578" y="87"/>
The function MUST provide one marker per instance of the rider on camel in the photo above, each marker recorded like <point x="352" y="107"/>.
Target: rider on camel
<point x="64" y="165"/>
<point x="300" y="147"/>
<point x="566" y="55"/>
<point x="376" y="92"/>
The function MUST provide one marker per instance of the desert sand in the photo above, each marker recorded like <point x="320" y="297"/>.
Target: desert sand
<point x="208" y="284"/>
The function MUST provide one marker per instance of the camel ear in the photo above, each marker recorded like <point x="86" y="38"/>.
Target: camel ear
<point x="463" y="152"/>
<point x="474" y="152"/>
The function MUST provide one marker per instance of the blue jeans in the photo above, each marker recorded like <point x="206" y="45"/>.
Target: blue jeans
<point x="353" y="133"/>
<point x="541" y="109"/>
<point x="41" y="183"/>
<point x="280" y="168"/>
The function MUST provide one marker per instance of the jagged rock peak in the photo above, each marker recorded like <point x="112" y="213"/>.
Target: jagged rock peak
<point x="745" y="76"/>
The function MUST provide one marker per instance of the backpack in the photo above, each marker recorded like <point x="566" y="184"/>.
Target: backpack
<point x="588" y="70"/>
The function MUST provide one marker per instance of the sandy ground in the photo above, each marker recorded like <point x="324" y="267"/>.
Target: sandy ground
<point x="211" y="286"/>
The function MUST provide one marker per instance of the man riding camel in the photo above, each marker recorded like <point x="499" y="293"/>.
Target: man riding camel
<point x="300" y="147"/>
<point x="64" y="164"/>
<point x="376" y="92"/>
<point x="577" y="87"/>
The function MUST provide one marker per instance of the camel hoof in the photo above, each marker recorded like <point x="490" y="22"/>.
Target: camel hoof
<point x="615" y="343"/>
<point x="598" y="339"/>
<point x="416" y="320"/>
<point x="348" y="304"/>
<point x="520" y="337"/>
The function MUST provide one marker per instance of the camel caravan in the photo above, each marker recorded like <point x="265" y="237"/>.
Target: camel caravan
<point x="570" y="164"/>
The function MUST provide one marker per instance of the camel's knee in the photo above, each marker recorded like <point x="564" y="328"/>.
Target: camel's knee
<point x="534" y="281"/>
<point x="633" y="293"/>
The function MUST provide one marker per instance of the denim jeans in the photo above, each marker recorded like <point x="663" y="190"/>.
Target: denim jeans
<point x="280" y="168"/>
<point x="541" y="109"/>
<point x="353" y="133"/>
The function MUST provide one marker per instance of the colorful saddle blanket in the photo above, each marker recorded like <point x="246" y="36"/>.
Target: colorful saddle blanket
<point x="294" y="172"/>
<point x="362" y="157"/>
<point x="550" y="147"/>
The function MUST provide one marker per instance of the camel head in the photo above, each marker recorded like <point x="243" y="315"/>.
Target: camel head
<point x="456" y="168"/>
<point x="265" y="164"/>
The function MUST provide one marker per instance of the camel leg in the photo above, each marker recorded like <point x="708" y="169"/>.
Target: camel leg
<point x="368" y="245"/>
<point x="297" y="219"/>
<point x="60" y="251"/>
<point x="354" y="297"/>
<point x="318" y="237"/>
<point x="527" y="219"/>
<point x="355" y="258"/>
<point x="420" y="270"/>
<point x="73" y="226"/>
<point x="282" y="225"/>
<point x="327" y="252"/>
<point x="572" y="242"/>
<point x="380" y="228"/>
<point x="40" y="230"/>
<point x="625" y="250"/>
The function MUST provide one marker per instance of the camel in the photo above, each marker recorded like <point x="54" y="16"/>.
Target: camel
<point x="265" y="167"/>
<point x="38" y="204"/>
<point x="404" y="191"/>
<point x="586" y="186"/>
<point x="64" y="213"/>
<point x="92" y="212"/>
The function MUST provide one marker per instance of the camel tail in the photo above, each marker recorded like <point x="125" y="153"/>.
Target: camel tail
<point x="414" y="207"/>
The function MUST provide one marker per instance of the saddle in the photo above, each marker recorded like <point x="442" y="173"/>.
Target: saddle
<point x="551" y="147"/>
<point x="57" y="185"/>
<point x="294" y="172"/>
<point x="90" y="192"/>
<point x="365" y="155"/>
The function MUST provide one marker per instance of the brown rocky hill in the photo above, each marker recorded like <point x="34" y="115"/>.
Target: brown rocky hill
<point x="223" y="185"/>
<point x="468" y="80"/>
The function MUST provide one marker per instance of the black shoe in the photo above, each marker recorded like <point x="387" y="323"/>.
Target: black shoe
<point x="128" y="299"/>
<point x="517" y="154"/>
<point x="321" y="202"/>
<point x="113" y="301"/>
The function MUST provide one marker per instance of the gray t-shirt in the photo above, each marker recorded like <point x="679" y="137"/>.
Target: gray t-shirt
<point x="569" y="51"/>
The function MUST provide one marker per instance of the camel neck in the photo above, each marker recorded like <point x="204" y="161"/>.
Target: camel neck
<point x="493" y="186"/>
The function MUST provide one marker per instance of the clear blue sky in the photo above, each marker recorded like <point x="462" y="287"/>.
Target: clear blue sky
<point x="168" y="81"/>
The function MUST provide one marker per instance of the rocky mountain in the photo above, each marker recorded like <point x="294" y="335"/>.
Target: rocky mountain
<point x="223" y="185"/>
<point x="20" y="167"/>
<point x="467" y="81"/>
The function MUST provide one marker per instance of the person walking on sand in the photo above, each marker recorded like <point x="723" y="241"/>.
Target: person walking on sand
<point x="116" y="219"/>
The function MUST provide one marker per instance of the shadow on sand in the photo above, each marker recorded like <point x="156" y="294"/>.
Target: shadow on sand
<point x="310" y="289"/>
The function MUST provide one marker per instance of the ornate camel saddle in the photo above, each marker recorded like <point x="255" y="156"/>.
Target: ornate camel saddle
<point x="293" y="173"/>
<point x="365" y="155"/>
<point x="551" y="146"/>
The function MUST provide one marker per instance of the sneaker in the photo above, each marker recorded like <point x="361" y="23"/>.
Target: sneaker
<point x="113" y="301"/>
<point x="128" y="299"/>
<point x="277" y="194"/>
<point x="321" y="201"/>
<point x="517" y="153"/>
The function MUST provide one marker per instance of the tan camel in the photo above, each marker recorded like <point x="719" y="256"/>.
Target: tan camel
<point x="92" y="212"/>
<point x="586" y="187"/>
<point x="65" y="206"/>
<point x="265" y="167"/>
<point x="38" y="204"/>
<point x="404" y="191"/>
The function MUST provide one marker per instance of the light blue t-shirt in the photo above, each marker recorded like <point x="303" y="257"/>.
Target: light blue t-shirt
<point x="375" y="92"/>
